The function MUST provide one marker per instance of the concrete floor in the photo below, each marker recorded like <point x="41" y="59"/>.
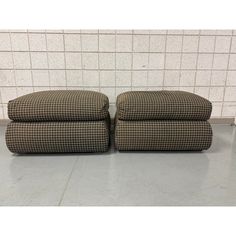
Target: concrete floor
<point x="123" y="179"/>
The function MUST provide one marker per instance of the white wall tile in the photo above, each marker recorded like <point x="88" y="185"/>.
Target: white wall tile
<point x="7" y="78"/>
<point x="205" y="61"/>
<point x="107" y="78"/>
<point x="5" y="43"/>
<point x="72" y="42"/>
<point x="206" y="43"/>
<point x="218" y="78"/>
<point x="89" y="42"/>
<point x="91" y="78"/>
<point x="220" y="61"/>
<point x="186" y="89"/>
<point x="37" y="42"/>
<point x="120" y="90"/>
<point x="155" y="78"/>
<point x="74" y="78"/>
<point x="88" y="31"/>
<point x="231" y="78"/>
<point x="24" y="90"/>
<point x="224" y="32"/>
<point x="192" y="32"/>
<point x="57" y="78"/>
<point x="141" y="43"/>
<point x="222" y="44"/>
<point x="216" y="109"/>
<point x="173" y="61"/>
<point x="216" y="94"/>
<point x="158" y="31"/>
<point x="139" y="78"/>
<point x="73" y="60"/>
<point x="21" y="60"/>
<point x="90" y="60"/>
<point x="123" y="61"/>
<point x="157" y="43"/>
<point x="187" y="78"/>
<point x="208" y="32"/>
<point x="171" y="78"/>
<point x="229" y="109"/>
<point x="173" y="43"/>
<point x="230" y="94"/>
<point x="40" y="78"/>
<point x="232" y="61"/>
<point x="203" y="78"/>
<point x="6" y="60"/>
<point x="233" y="44"/>
<point x="110" y="92"/>
<point x="202" y="91"/>
<point x="124" y="43"/>
<point x="156" y="61"/>
<point x="140" y="61"/>
<point x="123" y="31"/>
<point x="107" y="60"/>
<point x="39" y="60"/>
<point x="107" y="43"/>
<point x="56" y="60"/>
<point x="189" y="61"/>
<point x="19" y="42"/>
<point x="55" y="42"/>
<point x="123" y="78"/>
<point x="8" y="94"/>
<point x="23" y="78"/>
<point x="190" y="43"/>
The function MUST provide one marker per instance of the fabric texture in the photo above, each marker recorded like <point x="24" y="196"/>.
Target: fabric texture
<point x="59" y="105"/>
<point x="58" y="137"/>
<point x="162" y="105"/>
<point x="165" y="135"/>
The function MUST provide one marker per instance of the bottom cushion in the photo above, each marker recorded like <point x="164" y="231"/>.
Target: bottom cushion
<point x="54" y="137"/>
<point x="163" y="135"/>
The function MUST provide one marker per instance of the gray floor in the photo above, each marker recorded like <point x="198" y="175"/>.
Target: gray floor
<point x="123" y="179"/>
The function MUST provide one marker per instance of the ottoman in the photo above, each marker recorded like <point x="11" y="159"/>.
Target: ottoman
<point x="58" y="122"/>
<point x="162" y="120"/>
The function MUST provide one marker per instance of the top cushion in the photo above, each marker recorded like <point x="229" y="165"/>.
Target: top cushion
<point x="60" y="105"/>
<point x="162" y="105"/>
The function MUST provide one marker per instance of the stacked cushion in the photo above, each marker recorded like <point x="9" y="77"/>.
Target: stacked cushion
<point x="162" y="120"/>
<point x="59" y="121"/>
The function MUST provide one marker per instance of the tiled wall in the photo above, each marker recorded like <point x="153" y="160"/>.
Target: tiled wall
<point x="114" y="61"/>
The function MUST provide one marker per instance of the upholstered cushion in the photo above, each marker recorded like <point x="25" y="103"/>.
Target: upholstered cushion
<point x="162" y="135"/>
<point x="162" y="105"/>
<point x="60" y="105"/>
<point x="52" y="137"/>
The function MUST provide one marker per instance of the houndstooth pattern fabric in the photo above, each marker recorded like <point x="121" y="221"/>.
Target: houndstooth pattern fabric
<point x="162" y="135"/>
<point x="162" y="105"/>
<point x="60" y="105"/>
<point x="58" y="137"/>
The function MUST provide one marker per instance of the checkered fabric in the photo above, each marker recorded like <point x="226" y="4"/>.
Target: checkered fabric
<point x="162" y="105"/>
<point x="60" y="105"/>
<point x="164" y="135"/>
<point x="55" y="137"/>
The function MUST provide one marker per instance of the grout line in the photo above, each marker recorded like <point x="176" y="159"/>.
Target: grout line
<point x="81" y="59"/>
<point x="181" y="59"/>
<point x="64" y="47"/>
<point x="164" y="69"/>
<point x="227" y="71"/>
<point x="98" y="57"/>
<point x="13" y="63"/>
<point x="111" y="33"/>
<point x="132" y="60"/>
<point x="196" y="68"/>
<point x="67" y="182"/>
<point x="136" y="52"/>
<point x="49" y="74"/>
<point x="212" y="64"/>
<point x="30" y="63"/>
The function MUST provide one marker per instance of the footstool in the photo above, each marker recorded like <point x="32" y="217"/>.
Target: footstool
<point x="162" y="120"/>
<point x="58" y="122"/>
